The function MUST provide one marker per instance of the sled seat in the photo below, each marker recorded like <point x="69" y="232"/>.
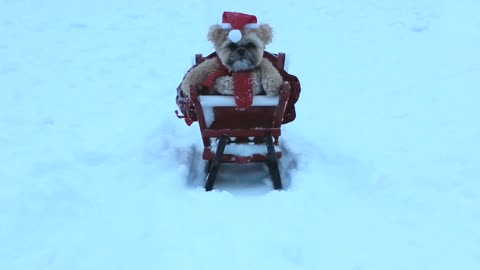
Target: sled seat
<point x="232" y="135"/>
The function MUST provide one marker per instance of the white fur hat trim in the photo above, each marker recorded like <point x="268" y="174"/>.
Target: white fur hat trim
<point x="235" y="35"/>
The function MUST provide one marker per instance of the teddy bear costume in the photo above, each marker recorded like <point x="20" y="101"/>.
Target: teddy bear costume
<point x="215" y="77"/>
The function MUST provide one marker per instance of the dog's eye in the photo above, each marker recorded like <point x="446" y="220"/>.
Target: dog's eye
<point x="250" y="45"/>
<point x="232" y="46"/>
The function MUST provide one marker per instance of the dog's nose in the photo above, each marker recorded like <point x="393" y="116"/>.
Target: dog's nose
<point x="241" y="51"/>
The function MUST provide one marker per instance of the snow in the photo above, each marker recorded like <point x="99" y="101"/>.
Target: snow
<point x="243" y="149"/>
<point x="381" y="166"/>
<point x="229" y="101"/>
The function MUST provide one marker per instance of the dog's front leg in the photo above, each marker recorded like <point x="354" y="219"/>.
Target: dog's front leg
<point x="271" y="78"/>
<point x="198" y="74"/>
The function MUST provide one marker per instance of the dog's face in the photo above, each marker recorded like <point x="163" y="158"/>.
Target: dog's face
<point x="245" y="54"/>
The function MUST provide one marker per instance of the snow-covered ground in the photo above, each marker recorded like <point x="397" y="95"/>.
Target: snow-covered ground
<point x="382" y="164"/>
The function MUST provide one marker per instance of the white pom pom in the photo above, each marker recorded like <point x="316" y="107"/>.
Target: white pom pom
<point x="235" y="35"/>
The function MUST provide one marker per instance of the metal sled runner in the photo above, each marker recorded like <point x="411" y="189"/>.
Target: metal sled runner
<point x="231" y="135"/>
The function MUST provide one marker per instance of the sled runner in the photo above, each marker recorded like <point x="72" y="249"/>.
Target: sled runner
<point x="233" y="135"/>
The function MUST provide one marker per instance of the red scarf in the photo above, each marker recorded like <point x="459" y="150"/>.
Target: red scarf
<point x="242" y="85"/>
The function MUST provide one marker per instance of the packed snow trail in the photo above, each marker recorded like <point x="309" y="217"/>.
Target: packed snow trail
<point x="381" y="163"/>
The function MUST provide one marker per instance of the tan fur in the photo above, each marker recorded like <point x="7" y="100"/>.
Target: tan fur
<point x="265" y="33"/>
<point x="217" y="35"/>
<point x="271" y="79"/>
<point x="198" y="74"/>
<point x="249" y="36"/>
<point x="224" y="84"/>
<point x="266" y="78"/>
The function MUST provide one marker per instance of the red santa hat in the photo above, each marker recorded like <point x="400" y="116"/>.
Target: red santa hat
<point x="236" y="21"/>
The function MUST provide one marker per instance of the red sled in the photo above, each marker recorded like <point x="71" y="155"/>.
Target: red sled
<point x="231" y="135"/>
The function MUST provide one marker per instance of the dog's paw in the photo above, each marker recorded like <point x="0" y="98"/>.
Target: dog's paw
<point x="272" y="85"/>
<point x="224" y="85"/>
<point x="272" y="93"/>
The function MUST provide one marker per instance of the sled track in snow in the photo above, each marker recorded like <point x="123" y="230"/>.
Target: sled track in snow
<point x="250" y="178"/>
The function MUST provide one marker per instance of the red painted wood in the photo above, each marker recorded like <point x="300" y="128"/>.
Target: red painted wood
<point x="199" y="58"/>
<point x="201" y="118"/>
<point x="214" y="133"/>
<point x="281" y="60"/>
<point x="229" y="158"/>
<point x="250" y="118"/>
<point x="282" y="103"/>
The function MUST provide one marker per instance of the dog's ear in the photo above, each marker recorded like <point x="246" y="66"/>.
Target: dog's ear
<point x="265" y="33"/>
<point x="217" y="35"/>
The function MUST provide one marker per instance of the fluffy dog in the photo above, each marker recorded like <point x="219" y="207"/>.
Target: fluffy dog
<point x="239" y="66"/>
